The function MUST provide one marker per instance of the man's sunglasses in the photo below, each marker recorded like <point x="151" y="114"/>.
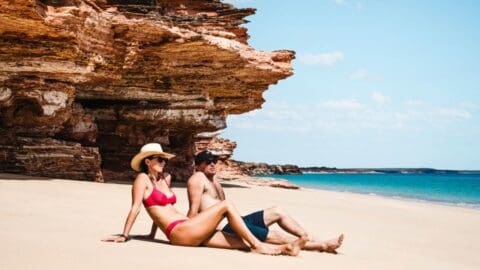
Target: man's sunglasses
<point x="210" y="161"/>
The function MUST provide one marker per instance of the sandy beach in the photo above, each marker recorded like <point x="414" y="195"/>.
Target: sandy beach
<point x="58" y="224"/>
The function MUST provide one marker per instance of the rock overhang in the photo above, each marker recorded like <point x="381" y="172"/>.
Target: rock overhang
<point x="112" y="75"/>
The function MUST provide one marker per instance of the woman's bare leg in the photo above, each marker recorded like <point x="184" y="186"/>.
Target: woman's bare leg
<point x="228" y="241"/>
<point x="225" y="240"/>
<point x="201" y="227"/>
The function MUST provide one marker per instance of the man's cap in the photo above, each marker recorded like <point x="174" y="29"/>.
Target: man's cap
<point x="204" y="156"/>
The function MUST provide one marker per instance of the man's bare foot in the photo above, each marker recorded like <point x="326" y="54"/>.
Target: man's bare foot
<point x="293" y="248"/>
<point x="332" y="245"/>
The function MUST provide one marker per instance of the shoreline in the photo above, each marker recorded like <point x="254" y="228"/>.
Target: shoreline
<point x="309" y="170"/>
<point x="400" y="198"/>
<point x="416" y="195"/>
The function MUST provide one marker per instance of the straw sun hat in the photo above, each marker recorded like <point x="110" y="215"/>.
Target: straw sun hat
<point x="149" y="149"/>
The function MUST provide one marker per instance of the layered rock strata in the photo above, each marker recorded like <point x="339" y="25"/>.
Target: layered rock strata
<point x="221" y="147"/>
<point x="245" y="172"/>
<point x="251" y="168"/>
<point x="85" y="83"/>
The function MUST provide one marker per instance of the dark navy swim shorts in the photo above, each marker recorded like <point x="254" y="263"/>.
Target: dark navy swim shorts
<point x="255" y="224"/>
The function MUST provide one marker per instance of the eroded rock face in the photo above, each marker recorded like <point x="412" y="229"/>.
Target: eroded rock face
<point x="92" y="81"/>
<point x="233" y="169"/>
<point x="221" y="147"/>
<point x="251" y="168"/>
<point x="245" y="172"/>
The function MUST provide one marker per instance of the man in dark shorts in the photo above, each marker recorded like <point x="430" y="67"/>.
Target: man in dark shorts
<point x="204" y="190"/>
<point x="255" y="224"/>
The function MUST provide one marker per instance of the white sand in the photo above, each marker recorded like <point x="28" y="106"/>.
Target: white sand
<point x="58" y="224"/>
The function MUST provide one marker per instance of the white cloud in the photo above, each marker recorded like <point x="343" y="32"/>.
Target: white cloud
<point x="321" y="59"/>
<point x="359" y="74"/>
<point x="423" y="110"/>
<point x="350" y="115"/>
<point x="426" y="114"/>
<point x="470" y="106"/>
<point x="452" y="113"/>
<point x="379" y="98"/>
<point x="414" y="103"/>
<point x="343" y="104"/>
<point x="340" y="2"/>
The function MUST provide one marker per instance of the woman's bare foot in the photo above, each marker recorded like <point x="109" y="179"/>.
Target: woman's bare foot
<point x="290" y="249"/>
<point x="267" y="249"/>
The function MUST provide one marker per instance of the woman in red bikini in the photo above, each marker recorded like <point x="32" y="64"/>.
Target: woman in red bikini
<point x="152" y="187"/>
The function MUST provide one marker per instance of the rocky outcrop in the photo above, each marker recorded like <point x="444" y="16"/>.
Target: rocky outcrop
<point x="210" y="141"/>
<point x="231" y="170"/>
<point x="267" y="182"/>
<point x="85" y="83"/>
<point x="51" y="157"/>
<point x="251" y="168"/>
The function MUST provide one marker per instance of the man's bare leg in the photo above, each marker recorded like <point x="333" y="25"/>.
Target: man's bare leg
<point x="330" y="246"/>
<point x="277" y="215"/>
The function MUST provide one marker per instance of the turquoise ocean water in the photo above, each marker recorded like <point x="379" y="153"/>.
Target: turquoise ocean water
<point x="456" y="189"/>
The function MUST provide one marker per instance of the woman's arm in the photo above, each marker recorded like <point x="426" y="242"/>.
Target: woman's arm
<point x="138" y="189"/>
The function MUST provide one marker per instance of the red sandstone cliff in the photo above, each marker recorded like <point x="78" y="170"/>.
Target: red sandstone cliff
<point x="85" y="83"/>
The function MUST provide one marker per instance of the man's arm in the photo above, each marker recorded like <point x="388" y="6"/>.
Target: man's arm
<point x="219" y="189"/>
<point x="195" y="188"/>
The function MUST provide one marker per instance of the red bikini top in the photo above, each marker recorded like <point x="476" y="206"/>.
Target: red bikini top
<point x="159" y="198"/>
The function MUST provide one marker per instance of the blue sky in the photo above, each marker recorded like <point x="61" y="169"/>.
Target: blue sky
<point x="375" y="84"/>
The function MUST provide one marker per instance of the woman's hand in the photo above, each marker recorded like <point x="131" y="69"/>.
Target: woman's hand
<point x="116" y="239"/>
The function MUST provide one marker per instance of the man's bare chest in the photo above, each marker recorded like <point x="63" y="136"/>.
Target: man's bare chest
<point x="211" y="190"/>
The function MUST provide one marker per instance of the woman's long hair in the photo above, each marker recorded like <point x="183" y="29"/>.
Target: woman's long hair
<point x="143" y="166"/>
